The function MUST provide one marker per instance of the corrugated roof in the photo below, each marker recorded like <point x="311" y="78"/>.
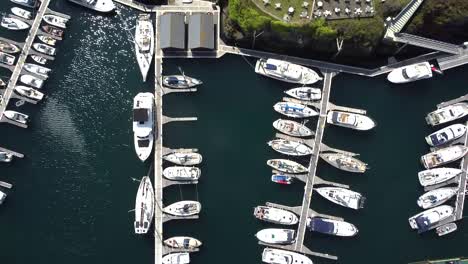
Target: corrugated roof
<point x="172" y="31"/>
<point x="201" y="31"/>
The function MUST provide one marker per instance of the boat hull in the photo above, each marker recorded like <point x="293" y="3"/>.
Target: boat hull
<point x="144" y="206"/>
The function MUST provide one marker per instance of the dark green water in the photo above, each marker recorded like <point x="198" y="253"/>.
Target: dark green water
<point x="73" y="190"/>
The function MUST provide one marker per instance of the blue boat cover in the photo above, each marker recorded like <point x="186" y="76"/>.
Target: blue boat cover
<point x="423" y="223"/>
<point x="271" y="67"/>
<point x="318" y="225"/>
<point x="436" y="141"/>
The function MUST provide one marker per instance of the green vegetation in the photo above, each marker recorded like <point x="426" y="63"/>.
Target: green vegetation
<point x="248" y="18"/>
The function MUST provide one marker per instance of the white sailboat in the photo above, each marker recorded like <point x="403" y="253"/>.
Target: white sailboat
<point x="279" y="256"/>
<point x="179" y="173"/>
<point x="143" y="122"/>
<point x="292" y="128"/>
<point x="287" y="166"/>
<point x="182" y="242"/>
<point x="294" y="110"/>
<point x="144" y="43"/>
<point x="184" y="159"/>
<point x="343" y="197"/>
<point x="344" y="162"/>
<point x="305" y="93"/>
<point x="289" y="147"/>
<point x="275" y="215"/>
<point x="437" y="175"/>
<point x="436" y="197"/>
<point x="183" y="208"/>
<point x="144" y="206"/>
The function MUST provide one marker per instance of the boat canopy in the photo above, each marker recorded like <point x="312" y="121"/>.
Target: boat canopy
<point x="319" y="225"/>
<point x="423" y="223"/>
<point x="271" y="67"/>
<point x="140" y="115"/>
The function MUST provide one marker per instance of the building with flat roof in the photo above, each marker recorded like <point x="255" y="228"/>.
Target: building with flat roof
<point x="172" y="34"/>
<point x="201" y="31"/>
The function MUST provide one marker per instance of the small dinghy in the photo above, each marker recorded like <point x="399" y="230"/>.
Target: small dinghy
<point x="182" y="242"/>
<point x="184" y="159"/>
<point x="287" y="166"/>
<point x="443" y="156"/>
<point x="446" y="229"/>
<point x="47" y="40"/>
<point x="276" y="236"/>
<point x="292" y="128"/>
<point x="29" y="92"/>
<point x="31" y="81"/>
<point x="39" y="70"/>
<point x="282" y="179"/>
<point x="55" y="20"/>
<point x="446" y="135"/>
<point x="176" y="258"/>
<point x="7" y="59"/>
<point x="436" y="176"/>
<point x="178" y="173"/>
<point x="39" y="59"/>
<point x="331" y="227"/>
<point x="16" y="116"/>
<point x="294" y="110"/>
<point x="436" y="197"/>
<point x="21" y="13"/>
<point x="53" y="31"/>
<point x="183" y="208"/>
<point x="425" y="220"/>
<point x="350" y="120"/>
<point x="8" y="47"/>
<point x="5" y="156"/>
<point x="344" y="162"/>
<point x="44" y="48"/>
<point x="275" y="215"/>
<point x="291" y="148"/>
<point x="343" y="197"/>
<point x="279" y="256"/>
<point x="305" y="93"/>
<point x="14" y="23"/>
<point x="180" y="81"/>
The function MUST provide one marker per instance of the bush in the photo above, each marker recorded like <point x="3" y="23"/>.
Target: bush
<point x="246" y="17"/>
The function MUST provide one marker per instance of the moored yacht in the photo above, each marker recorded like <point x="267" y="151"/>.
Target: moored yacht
<point x="39" y="59"/>
<point x="8" y="47"/>
<point x="13" y="23"/>
<point x="437" y="175"/>
<point x="143" y="122"/>
<point x="53" y="31"/>
<point x="292" y="128"/>
<point x="282" y="179"/>
<point x="305" y="93"/>
<point x="447" y="114"/>
<point x="291" y="148"/>
<point x="446" y="135"/>
<point x="104" y="6"/>
<point x="344" y="162"/>
<point x="27" y="3"/>
<point x="286" y="71"/>
<point x="16" y="116"/>
<point x="144" y="43"/>
<point x="5" y="156"/>
<point x="180" y="81"/>
<point x="425" y="220"/>
<point x="183" y="208"/>
<point x="7" y="59"/>
<point x="176" y="258"/>
<point x="275" y="215"/>
<point x="44" y="48"/>
<point x="287" y="166"/>
<point x="331" y="227"/>
<point x="276" y="236"/>
<point x="47" y="40"/>
<point x="21" y="13"/>
<point x="31" y="81"/>
<point x="182" y="242"/>
<point x="184" y="159"/>
<point x="410" y="73"/>
<point x="436" y="197"/>
<point x="144" y="206"/>
<point x="343" y="197"/>
<point x="39" y="70"/>
<point x="350" y="120"/>
<point x="55" y="20"/>
<point x="294" y="110"/>
<point x="443" y="156"/>
<point x="29" y="92"/>
<point x="179" y="173"/>
<point x="279" y="256"/>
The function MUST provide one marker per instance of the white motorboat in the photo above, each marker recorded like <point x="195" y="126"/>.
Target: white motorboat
<point x="176" y="258"/>
<point x="179" y="173"/>
<point x="39" y="59"/>
<point x="183" y="208"/>
<point x="144" y="206"/>
<point x="443" y="156"/>
<point x="292" y="128"/>
<point x="286" y="71"/>
<point x="447" y="114"/>
<point x="104" y="6"/>
<point x="144" y="43"/>
<point x="8" y="47"/>
<point x="182" y="242"/>
<point x="31" y="81"/>
<point x="55" y="20"/>
<point x="425" y="220"/>
<point x="305" y="93"/>
<point x="53" y="31"/>
<point x="180" y="81"/>
<point x="2" y="84"/>
<point x="446" y="135"/>
<point x="436" y="197"/>
<point x="291" y="148"/>
<point x="16" y="116"/>
<point x="275" y="215"/>
<point x="294" y="110"/>
<point x="287" y="166"/>
<point x="2" y="197"/>
<point x="21" y="13"/>
<point x="37" y="69"/>
<point x="184" y="159"/>
<point x="143" y="122"/>
<point x="331" y="227"/>
<point x="343" y="197"/>
<point x="276" y="236"/>
<point x="5" y="156"/>
<point x="344" y="162"/>
<point x="282" y="179"/>
<point x="350" y="120"/>
<point x="27" y="3"/>
<point x="446" y="229"/>
<point x="13" y="23"/>
<point x="437" y="175"/>
<point x="279" y="256"/>
<point x="47" y="40"/>
<point x="44" y="48"/>
<point x="7" y="59"/>
<point x="410" y="73"/>
<point x="29" y="92"/>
